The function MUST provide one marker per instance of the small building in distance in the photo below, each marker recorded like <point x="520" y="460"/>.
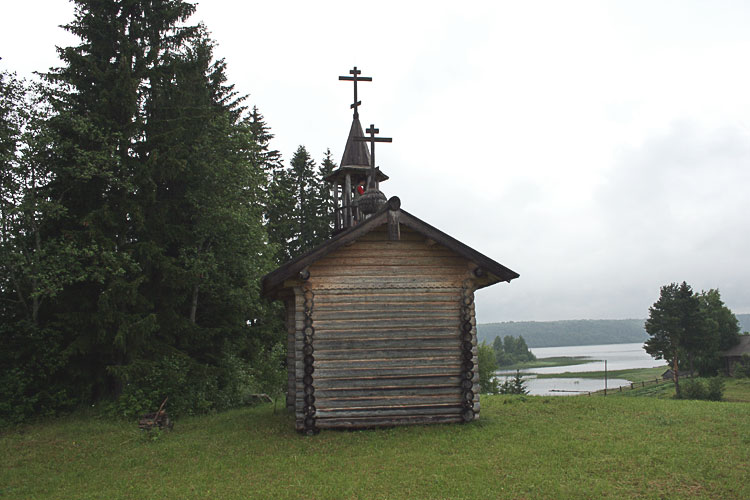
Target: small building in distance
<point x="734" y="355"/>
<point x="381" y="318"/>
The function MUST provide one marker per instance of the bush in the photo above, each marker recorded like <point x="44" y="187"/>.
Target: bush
<point x="514" y="385"/>
<point x="715" y="388"/>
<point x="696" y="389"/>
<point x="487" y="367"/>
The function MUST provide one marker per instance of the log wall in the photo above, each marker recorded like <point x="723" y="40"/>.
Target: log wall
<point x="393" y="334"/>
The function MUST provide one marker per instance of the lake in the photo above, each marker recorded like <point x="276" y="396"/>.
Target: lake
<point x="618" y="356"/>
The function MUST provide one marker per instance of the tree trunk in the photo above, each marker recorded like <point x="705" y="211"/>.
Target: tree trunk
<point x="676" y="376"/>
<point x="194" y="304"/>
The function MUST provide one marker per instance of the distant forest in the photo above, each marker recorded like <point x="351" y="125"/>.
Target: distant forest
<point x="576" y="332"/>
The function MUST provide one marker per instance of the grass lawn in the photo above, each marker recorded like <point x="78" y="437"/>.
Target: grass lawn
<point x="633" y="374"/>
<point x="522" y="447"/>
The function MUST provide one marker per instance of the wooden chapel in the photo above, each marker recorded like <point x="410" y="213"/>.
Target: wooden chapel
<point x="380" y="318"/>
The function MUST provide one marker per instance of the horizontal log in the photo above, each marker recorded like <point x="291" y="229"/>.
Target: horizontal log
<point x="437" y="310"/>
<point x="368" y="422"/>
<point x="327" y="404"/>
<point x="413" y="411"/>
<point x="452" y="368"/>
<point x="379" y="282"/>
<point x="322" y="345"/>
<point x="382" y="323"/>
<point x="382" y="393"/>
<point x="444" y="381"/>
<point x="382" y="293"/>
<point x="378" y="333"/>
<point x="438" y="271"/>
<point x="365" y="354"/>
<point x="401" y="258"/>
<point x="416" y="335"/>
<point x="378" y="363"/>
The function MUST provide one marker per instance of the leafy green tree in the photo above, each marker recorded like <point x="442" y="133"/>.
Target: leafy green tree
<point x="723" y="332"/>
<point x="33" y="266"/>
<point x="488" y="383"/>
<point x="510" y="350"/>
<point x="677" y="327"/>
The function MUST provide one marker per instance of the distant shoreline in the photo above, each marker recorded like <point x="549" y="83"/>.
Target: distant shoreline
<point x="565" y="333"/>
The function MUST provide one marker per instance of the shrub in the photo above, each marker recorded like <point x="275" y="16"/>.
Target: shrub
<point x="487" y="367"/>
<point x="696" y="389"/>
<point x="514" y="385"/>
<point x="715" y="388"/>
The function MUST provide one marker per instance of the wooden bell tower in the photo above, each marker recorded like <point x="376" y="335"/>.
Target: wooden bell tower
<point x="357" y="171"/>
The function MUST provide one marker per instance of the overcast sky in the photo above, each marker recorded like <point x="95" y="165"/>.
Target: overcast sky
<point x="599" y="149"/>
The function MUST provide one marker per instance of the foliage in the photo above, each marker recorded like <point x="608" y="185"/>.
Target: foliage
<point x="690" y="330"/>
<point x="710" y="390"/>
<point x="723" y="333"/>
<point x="514" y="385"/>
<point x="300" y="205"/>
<point x="676" y="326"/>
<point x="510" y="350"/>
<point x="488" y="383"/>
<point x="132" y="242"/>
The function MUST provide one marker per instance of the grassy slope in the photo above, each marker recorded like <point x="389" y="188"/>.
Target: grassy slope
<point x="633" y="374"/>
<point x="532" y="447"/>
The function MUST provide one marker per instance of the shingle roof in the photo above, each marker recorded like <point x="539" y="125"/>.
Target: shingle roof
<point x="495" y="271"/>
<point x="743" y="347"/>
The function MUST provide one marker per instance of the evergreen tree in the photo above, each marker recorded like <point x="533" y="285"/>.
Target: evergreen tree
<point x="324" y="200"/>
<point x="677" y="327"/>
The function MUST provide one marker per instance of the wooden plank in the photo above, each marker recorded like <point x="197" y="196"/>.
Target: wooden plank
<point x="443" y="381"/>
<point x="368" y="422"/>
<point x="378" y="281"/>
<point x="394" y="331"/>
<point x="384" y="393"/>
<point x="365" y="354"/>
<point x="416" y="335"/>
<point x="437" y="370"/>
<point x="389" y="269"/>
<point x="442" y="310"/>
<point x="400" y="259"/>
<point x="388" y="401"/>
<point x="401" y="323"/>
<point x="386" y="293"/>
<point x="416" y="361"/>
<point x="387" y="344"/>
<point x="342" y="309"/>
<point x="390" y="412"/>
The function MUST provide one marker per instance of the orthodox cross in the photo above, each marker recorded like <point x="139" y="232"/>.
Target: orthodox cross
<point x="372" y="140"/>
<point x="355" y="78"/>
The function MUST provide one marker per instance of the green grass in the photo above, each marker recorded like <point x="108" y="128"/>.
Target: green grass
<point x="735" y="390"/>
<point x="549" y="362"/>
<point x="633" y="374"/>
<point x="522" y="447"/>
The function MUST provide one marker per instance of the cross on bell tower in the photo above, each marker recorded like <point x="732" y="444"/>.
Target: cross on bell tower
<point x="357" y="174"/>
<point x="355" y="78"/>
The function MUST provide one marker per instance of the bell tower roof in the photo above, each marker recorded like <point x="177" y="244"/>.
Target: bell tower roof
<point x="355" y="152"/>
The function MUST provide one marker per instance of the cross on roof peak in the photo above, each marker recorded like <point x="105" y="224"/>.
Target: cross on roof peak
<point x="355" y="78"/>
